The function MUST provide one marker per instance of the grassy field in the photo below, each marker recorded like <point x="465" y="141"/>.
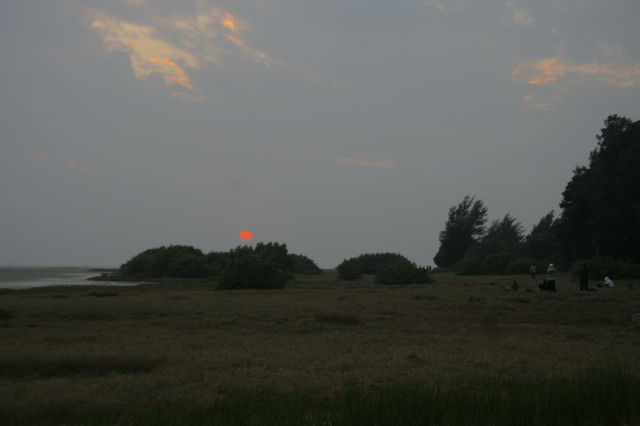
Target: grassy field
<point x="321" y="351"/>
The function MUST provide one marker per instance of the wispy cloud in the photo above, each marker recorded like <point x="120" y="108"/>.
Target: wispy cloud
<point x="550" y="70"/>
<point x="147" y="52"/>
<point x="528" y="98"/>
<point x="544" y="103"/>
<point x="70" y="164"/>
<point x="518" y="14"/>
<point x="439" y="5"/>
<point x="171" y="47"/>
<point x="366" y="160"/>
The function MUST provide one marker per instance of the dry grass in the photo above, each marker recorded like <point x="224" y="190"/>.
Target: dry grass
<point x="151" y="344"/>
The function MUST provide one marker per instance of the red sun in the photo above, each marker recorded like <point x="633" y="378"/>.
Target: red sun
<point x="245" y="235"/>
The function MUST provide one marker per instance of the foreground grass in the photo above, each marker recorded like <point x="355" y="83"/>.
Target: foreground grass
<point x="321" y="352"/>
<point x="594" y="399"/>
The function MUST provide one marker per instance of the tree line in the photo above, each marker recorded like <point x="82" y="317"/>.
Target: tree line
<point x="599" y="222"/>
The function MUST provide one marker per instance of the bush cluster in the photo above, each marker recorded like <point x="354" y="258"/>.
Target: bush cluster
<point x="389" y="268"/>
<point x="302" y="265"/>
<point x="403" y="273"/>
<point x="174" y="261"/>
<point x="600" y="267"/>
<point x="263" y="266"/>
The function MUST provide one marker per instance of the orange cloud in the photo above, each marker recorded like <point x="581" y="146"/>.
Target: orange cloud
<point x="368" y="161"/>
<point x="143" y="48"/>
<point x="550" y="70"/>
<point x="229" y="22"/>
<point x="172" y="47"/>
<point x="234" y="40"/>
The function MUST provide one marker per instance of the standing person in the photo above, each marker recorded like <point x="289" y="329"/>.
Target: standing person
<point x="532" y="271"/>
<point x="584" y="277"/>
<point x="551" y="277"/>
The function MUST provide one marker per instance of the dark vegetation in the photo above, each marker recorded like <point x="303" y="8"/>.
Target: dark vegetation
<point x="389" y="268"/>
<point x="599" y="223"/>
<point x="263" y="266"/>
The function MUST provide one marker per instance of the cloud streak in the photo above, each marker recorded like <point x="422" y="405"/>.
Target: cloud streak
<point x="173" y="47"/>
<point x="555" y="69"/>
<point x="519" y="14"/>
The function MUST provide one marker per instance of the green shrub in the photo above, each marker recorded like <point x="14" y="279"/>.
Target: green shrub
<point x="496" y="263"/>
<point x="350" y="269"/>
<point x="303" y="265"/>
<point x="188" y="262"/>
<point x="403" y="272"/>
<point x="521" y="266"/>
<point x="275" y="253"/>
<point x="371" y="263"/>
<point x="368" y="263"/>
<point x="471" y="264"/>
<point x="214" y="263"/>
<point x="248" y="270"/>
<point x="175" y="261"/>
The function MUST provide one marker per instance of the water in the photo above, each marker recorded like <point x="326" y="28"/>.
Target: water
<point x="18" y="278"/>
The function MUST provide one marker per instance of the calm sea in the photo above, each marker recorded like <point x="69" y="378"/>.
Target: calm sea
<point x="17" y="278"/>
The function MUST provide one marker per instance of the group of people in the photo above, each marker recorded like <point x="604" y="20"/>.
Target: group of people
<point x="549" y="284"/>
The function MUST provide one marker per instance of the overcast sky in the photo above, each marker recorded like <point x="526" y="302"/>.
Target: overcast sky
<point x="336" y="127"/>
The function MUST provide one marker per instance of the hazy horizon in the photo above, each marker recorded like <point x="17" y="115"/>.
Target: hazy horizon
<point x="337" y="129"/>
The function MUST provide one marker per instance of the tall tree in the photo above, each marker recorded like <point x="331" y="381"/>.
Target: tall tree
<point x="542" y="241"/>
<point x="465" y="224"/>
<point x="506" y="235"/>
<point x="601" y="203"/>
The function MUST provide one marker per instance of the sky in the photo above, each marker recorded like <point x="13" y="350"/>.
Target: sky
<point x="338" y="128"/>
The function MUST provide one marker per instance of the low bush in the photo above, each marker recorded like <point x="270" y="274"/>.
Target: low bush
<point x="496" y="263"/>
<point x="372" y="263"/>
<point x="368" y="263"/>
<point x="174" y="261"/>
<point x="350" y="270"/>
<point x="470" y="265"/>
<point x="403" y="272"/>
<point x="179" y="261"/>
<point x="303" y="265"/>
<point x="248" y="270"/>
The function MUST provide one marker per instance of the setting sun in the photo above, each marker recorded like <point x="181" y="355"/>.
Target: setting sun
<point x="245" y="235"/>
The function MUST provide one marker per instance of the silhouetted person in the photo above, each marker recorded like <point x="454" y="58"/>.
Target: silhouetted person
<point x="584" y="277"/>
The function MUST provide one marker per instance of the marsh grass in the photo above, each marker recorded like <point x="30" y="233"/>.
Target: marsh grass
<point x="598" y="398"/>
<point x="337" y="318"/>
<point x="79" y="365"/>
<point x="321" y="352"/>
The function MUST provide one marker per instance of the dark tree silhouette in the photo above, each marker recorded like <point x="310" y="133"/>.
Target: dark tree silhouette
<point x="601" y="203"/>
<point x="464" y="225"/>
